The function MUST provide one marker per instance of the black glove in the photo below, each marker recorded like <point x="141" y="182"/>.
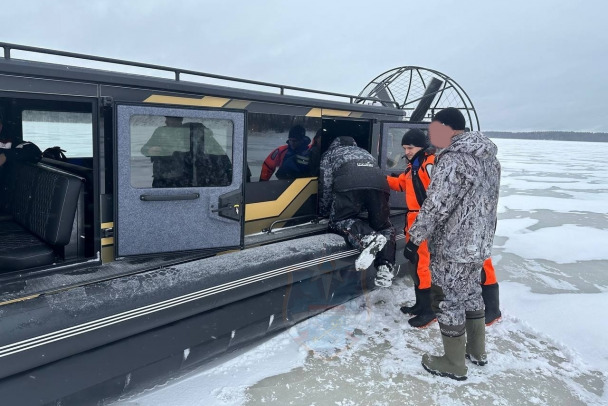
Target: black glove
<point x="410" y="252"/>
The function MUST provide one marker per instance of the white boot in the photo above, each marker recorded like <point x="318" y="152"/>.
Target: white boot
<point x="384" y="276"/>
<point x="372" y="244"/>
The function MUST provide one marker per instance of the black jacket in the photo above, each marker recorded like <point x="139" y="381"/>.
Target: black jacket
<point x="344" y="167"/>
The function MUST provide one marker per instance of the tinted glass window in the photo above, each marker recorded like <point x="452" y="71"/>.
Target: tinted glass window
<point x="359" y="130"/>
<point x="174" y="152"/>
<point x="73" y="132"/>
<point x="281" y="146"/>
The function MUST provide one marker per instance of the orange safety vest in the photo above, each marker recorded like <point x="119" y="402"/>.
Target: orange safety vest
<point x="414" y="183"/>
<point x="272" y="162"/>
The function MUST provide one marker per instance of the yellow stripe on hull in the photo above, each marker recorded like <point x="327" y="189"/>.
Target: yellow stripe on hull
<point x="205" y="101"/>
<point x="259" y="216"/>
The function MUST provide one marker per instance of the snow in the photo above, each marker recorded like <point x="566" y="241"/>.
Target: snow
<point x="562" y="318"/>
<point x="551" y="259"/>
<point x="524" y="203"/>
<point x="565" y="244"/>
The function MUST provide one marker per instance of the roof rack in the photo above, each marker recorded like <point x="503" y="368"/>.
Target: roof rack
<point x="8" y="47"/>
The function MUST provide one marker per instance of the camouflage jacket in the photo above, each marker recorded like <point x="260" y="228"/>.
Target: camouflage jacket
<point x="458" y="217"/>
<point x="345" y="166"/>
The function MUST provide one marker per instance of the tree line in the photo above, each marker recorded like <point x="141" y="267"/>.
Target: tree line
<point x="551" y="135"/>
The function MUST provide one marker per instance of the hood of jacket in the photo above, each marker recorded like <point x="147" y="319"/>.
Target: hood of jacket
<point x="473" y="143"/>
<point x="343" y="141"/>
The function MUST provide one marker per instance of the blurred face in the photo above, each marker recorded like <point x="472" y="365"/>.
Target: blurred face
<point x="410" y="151"/>
<point x="294" y="143"/>
<point x="441" y="134"/>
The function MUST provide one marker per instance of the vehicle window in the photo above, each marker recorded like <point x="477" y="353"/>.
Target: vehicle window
<point x="72" y="132"/>
<point x="395" y="156"/>
<point x="282" y="146"/>
<point x="174" y="152"/>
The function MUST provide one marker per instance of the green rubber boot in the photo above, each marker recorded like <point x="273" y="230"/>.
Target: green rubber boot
<point x="476" y="338"/>
<point x="450" y="365"/>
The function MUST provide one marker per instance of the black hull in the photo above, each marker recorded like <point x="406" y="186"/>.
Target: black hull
<point x="102" y="341"/>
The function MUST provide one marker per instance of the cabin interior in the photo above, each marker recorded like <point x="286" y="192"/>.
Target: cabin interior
<point x="38" y="202"/>
<point x="78" y="186"/>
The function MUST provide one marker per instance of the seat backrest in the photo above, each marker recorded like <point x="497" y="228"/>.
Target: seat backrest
<point x="53" y="208"/>
<point x="45" y="202"/>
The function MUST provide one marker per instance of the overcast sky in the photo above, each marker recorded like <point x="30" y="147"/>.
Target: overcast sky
<point x="526" y="65"/>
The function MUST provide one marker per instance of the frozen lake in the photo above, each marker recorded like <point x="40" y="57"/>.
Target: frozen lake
<point x="551" y="258"/>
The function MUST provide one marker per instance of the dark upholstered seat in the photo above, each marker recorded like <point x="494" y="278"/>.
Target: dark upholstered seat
<point x="20" y="249"/>
<point x="42" y="202"/>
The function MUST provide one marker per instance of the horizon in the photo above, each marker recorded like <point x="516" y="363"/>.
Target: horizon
<point x="554" y="81"/>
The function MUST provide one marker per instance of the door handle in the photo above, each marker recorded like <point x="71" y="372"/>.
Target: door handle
<point x="164" y="198"/>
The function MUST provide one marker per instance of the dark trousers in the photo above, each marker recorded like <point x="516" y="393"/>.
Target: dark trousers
<point x="347" y="218"/>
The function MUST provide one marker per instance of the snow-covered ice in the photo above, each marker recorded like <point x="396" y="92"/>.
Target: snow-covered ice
<point x="551" y="259"/>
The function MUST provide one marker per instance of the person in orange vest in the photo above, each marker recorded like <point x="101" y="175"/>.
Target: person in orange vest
<point x="414" y="182"/>
<point x="291" y="160"/>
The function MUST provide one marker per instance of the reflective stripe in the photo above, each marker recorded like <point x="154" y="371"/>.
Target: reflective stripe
<point x="108" y="321"/>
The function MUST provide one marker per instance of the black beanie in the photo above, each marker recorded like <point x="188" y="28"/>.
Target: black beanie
<point x="416" y="138"/>
<point x="297" y="132"/>
<point x="452" y="117"/>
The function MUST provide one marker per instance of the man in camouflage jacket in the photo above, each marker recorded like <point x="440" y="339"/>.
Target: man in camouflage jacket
<point x="351" y="183"/>
<point x="458" y="218"/>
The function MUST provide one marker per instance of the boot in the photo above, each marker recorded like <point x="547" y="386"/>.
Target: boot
<point x="490" y="299"/>
<point x="451" y="364"/>
<point x="384" y="276"/>
<point x="476" y="340"/>
<point x="372" y="244"/>
<point x="425" y="315"/>
<point x="415" y="309"/>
